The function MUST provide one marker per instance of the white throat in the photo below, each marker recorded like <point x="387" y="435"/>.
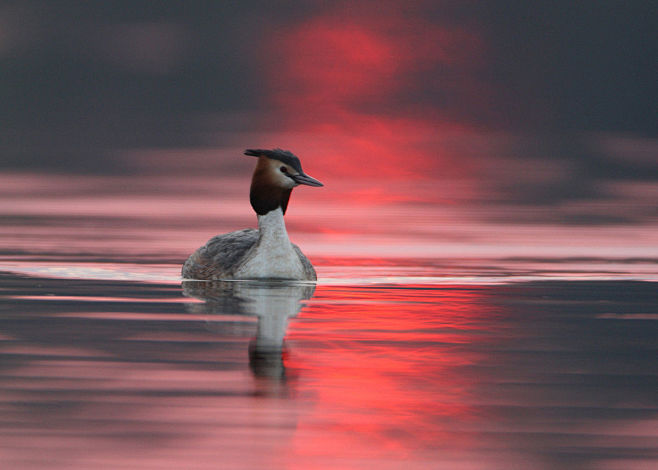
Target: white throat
<point x="273" y="256"/>
<point x="272" y="229"/>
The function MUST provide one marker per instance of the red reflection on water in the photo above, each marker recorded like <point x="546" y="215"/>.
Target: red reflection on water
<point x="345" y="88"/>
<point x="331" y="62"/>
<point x="372" y="374"/>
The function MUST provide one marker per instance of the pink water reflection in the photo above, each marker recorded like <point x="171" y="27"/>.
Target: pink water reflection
<point x="386" y="376"/>
<point x="369" y="402"/>
<point x="162" y="218"/>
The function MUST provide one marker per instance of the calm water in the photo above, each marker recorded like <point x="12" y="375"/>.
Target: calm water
<point x="429" y="343"/>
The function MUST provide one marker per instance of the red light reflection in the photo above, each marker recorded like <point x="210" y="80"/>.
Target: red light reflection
<point x="344" y="91"/>
<point x="372" y="372"/>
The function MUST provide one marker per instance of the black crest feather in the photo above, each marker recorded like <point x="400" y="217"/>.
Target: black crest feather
<point x="284" y="156"/>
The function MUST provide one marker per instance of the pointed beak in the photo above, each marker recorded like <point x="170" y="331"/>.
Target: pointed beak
<point x="303" y="178"/>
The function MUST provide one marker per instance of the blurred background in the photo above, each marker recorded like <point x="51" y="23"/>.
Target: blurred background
<point x="458" y="119"/>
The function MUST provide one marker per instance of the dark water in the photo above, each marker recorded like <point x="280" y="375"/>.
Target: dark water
<point x="108" y="361"/>
<point x="124" y="374"/>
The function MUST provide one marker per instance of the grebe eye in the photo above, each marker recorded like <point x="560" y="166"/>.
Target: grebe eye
<point x="283" y="169"/>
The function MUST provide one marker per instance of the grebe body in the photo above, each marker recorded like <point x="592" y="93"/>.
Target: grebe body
<point x="266" y="252"/>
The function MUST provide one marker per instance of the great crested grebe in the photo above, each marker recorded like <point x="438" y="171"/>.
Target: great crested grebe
<point x="266" y="253"/>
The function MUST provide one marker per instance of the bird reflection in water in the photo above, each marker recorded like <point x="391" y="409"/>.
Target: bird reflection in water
<point x="272" y="301"/>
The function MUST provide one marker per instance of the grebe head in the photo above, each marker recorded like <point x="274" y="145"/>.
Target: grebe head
<point x="282" y="167"/>
<point x="277" y="172"/>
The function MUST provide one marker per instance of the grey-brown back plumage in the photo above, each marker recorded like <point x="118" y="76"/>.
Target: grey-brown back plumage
<point x="220" y="257"/>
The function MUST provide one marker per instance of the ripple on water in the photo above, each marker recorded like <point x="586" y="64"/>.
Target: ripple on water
<point x="118" y="365"/>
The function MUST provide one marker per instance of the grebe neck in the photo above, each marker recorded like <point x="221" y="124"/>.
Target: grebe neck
<point x="272" y="228"/>
<point x="272" y="256"/>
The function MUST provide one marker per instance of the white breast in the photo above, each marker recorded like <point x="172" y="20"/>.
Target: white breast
<point x="273" y="255"/>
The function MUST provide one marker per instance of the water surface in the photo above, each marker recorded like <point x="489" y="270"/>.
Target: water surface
<point x="535" y="356"/>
